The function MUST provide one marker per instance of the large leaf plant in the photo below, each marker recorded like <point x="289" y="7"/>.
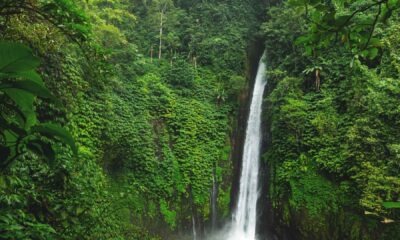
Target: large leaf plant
<point x="20" y="130"/>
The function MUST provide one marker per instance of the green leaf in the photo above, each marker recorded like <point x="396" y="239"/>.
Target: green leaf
<point x="31" y="75"/>
<point x="24" y="100"/>
<point x="11" y="127"/>
<point x="308" y="50"/>
<point x="302" y="39"/>
<point x="10" y="142"/>
<point x="391" y="205"/>
<point x="364" y="53"/>
<point x="15" y="57"/>
<point x="341" y="20"/>
<point x="393" y="3"/>
<point x="79" y="211"/>
<point x="375" y="42"/>
<point x="54" y="130"/>
<point x="10" y="137"/>
<point x="31" y="87"/>
<point x="373" y="52"/>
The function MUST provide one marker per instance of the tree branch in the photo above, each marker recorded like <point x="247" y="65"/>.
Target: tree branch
<point x="373" y="26"/>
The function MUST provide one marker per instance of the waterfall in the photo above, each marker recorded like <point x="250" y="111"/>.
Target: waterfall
<point x="245" y="215"/>
<point x="194" y="228"/>
<point x="214" y="195"/>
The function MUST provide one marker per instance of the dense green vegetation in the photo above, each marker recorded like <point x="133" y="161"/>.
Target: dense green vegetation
<point x="117" y="116"/>
<point x="148" y="90"/>
<point x="333" y="111"/>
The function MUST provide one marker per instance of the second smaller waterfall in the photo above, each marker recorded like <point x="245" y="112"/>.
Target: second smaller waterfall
<point x="194" y="228"/>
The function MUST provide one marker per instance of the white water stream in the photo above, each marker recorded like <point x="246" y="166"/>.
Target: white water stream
<point x="245" y="215"/>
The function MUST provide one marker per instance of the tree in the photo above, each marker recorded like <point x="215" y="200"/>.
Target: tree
<point x="350" y="23"/>
<point x="162" y="7"/>
<point x="62" y="14"/>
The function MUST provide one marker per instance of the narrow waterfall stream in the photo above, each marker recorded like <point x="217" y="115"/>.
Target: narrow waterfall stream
<point x="245" y="215"/>
<point x="194" y="228"/>
<point x="214" y="196"/>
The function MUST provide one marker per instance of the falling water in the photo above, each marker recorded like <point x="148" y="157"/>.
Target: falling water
<point x="245" y="215"/>
<point x="214" y="195"/>
<point x="194" y="228"/>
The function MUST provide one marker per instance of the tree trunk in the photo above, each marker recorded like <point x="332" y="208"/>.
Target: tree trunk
<point x="172" y="57"/>
<point x="317" y="80"/>
<point x="151" y="53"/>
<point x="161" y="33"/>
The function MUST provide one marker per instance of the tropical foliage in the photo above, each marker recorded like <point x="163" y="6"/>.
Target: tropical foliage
<point x="333" y="114"/>
<point x="149" y="92"/>
<point x="119" y="116"/>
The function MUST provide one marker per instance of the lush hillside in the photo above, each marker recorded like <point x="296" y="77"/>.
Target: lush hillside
<point x="121" y="119"/>
<point x="333" y="114"/>
<point x="148" y="90"/>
